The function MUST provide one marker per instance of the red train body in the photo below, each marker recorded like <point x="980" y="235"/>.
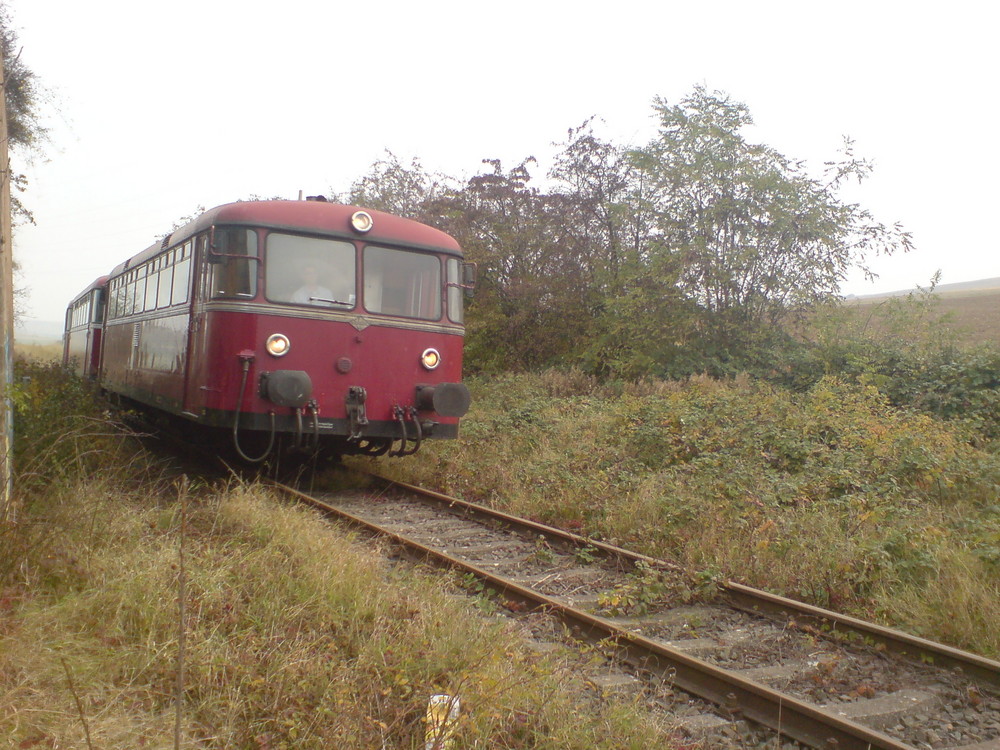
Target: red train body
<point x="84" y="327"/>
<point x="301" y="323"/>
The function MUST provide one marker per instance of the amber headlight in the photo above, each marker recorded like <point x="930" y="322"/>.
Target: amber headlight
<point x="362" y="221"/>
<point x="430" y="359"/>
<point x="277" y="345"/>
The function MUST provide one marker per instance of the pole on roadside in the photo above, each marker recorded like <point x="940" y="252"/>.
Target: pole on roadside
<point x="8" y="509"/>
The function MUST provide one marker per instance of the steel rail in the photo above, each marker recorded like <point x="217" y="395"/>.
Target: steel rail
<point x="974" y="667"/>
<point x="783" y="713"/>
<point x="568" y="538"/>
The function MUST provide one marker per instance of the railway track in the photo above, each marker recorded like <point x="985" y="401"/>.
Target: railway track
<point x="816" y="677"/>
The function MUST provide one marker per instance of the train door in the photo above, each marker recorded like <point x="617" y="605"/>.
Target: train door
<point x="95" y="330"/>
<point x="196" y="366"/>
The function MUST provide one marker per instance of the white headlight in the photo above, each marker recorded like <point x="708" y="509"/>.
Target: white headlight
<point x="362" y="221"/>
<point x="430" y="359"/>
<point x="277" y="345"/>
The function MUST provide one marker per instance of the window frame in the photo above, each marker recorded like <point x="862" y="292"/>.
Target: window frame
<point x="269" y="281"/>
<point x="436" y="294"/>
<point x="216" y="260"/>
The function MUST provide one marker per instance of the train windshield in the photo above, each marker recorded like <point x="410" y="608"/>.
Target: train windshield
<point x="310" y="271"/>
<point x="402" y="283"/>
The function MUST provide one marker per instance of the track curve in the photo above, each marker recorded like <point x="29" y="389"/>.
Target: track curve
<point x="756" y="655"/>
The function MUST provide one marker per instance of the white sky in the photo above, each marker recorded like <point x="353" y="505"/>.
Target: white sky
<point x="165" y="106"/>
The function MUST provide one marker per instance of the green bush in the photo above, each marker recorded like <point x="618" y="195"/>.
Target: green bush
<point x="831" y="493"/>
<point x="62" y="427"/>
<point x="907" y="350"/>
<point x="64" y="435"/>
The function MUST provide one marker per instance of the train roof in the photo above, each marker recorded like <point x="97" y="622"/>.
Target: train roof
<point x="311" y="217"/>
<point x="98" y="283"/>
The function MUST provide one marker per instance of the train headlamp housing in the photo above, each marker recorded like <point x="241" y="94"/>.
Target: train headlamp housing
<point x="362" y="222"/>
<point x="277" y="345"/>
<point x="430" y="359"/>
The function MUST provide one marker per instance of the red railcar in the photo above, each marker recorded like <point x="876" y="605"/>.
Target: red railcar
<point x="293" y="322"/>
<point x="84" y="326"/>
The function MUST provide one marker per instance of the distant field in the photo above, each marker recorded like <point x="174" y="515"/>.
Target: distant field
<point x="38" y="352"/>
<point x="973" y="314"/>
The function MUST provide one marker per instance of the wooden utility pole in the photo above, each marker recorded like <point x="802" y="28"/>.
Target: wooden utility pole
<point x="8" y="509"/>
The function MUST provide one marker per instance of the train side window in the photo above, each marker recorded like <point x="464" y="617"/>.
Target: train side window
<point x="97" y="306"/>
<point x="113" y="299"/>
<point x="402" y="283"/>
<point x="138" y="295"/>
<point x="130" y="307"/>
<point x="456" y="295"/>
<point x="182" y="275"/>
<point x="128" y="289"/>
<point x="120" y="297"/>
<point x="81" y="311"/>
<point x="166" y="283"/>
<point x="232" y="276"/>
<point x="152" y="282"/>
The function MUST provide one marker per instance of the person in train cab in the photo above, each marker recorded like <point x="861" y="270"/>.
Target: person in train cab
<point x="311" y="292"/>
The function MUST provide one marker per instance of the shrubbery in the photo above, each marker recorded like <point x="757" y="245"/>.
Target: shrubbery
<point x="64" y="435"/>
<point x="63" y="429"/>
<point x="831" y="494"/>
<point x="909" y="351"/>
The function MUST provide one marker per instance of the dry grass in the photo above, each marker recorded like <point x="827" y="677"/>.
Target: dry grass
<point x="960" y="598"/>
<point x="295" y="637"/>
<point x="38" y="352"/>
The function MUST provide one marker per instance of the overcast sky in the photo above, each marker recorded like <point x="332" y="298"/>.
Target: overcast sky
<point x="164" y="107"/>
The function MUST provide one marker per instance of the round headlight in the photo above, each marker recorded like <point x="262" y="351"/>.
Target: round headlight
<point x="277" y="345"/>
<point x="362" y="221"/>
<point x="430" y="358"/>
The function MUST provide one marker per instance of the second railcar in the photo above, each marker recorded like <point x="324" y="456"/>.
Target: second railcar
<point x="84" y="327"/>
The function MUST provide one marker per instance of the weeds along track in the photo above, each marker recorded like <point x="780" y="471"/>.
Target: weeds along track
<point x="751" y="659"/>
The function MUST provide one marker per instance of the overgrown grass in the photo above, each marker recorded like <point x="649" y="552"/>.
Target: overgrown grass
<point x="295" y="638"/>
<point x="63" y="432"/>
<point x="831" y="495"/>
<point x="41" y="353"/>
<point x="295" y="635"/>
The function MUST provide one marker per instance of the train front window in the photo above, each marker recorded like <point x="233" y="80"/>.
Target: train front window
<point x="231" y="274"/>
<point x="402" y="283"/>
<point x="309" y="271"/>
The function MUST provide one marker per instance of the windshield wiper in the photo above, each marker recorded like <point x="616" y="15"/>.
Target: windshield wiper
<point x="331" y="301"/>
